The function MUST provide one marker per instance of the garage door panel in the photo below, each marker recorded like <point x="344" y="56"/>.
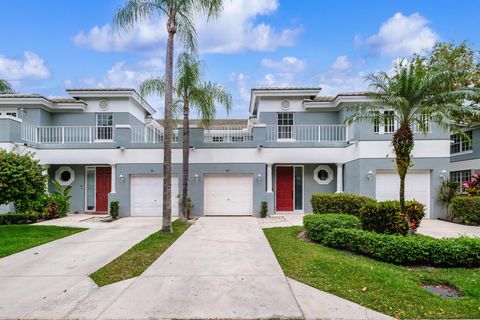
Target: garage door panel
<point x="146" y="195"/>
<point x="228" y="194"/>
<point x="417" y="187"/>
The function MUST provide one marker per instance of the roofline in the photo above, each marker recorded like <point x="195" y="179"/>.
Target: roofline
<point x="113" y="92"/>
<point x="288" y="91"/>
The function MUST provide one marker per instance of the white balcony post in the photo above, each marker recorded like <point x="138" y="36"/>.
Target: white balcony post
<point x="269" y="178"/>
<point x="63" y="134"/>
<point x="114" y="179"/>
<point x="339" y="178"/>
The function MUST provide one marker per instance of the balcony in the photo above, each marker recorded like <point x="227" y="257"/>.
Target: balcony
<point x="307" y="133"/>
<point x="66" y="134"/>
<point x="227" y="134"/>
<point x="150" y="134"/>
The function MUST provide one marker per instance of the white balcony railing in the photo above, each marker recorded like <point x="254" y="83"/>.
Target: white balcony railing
<point x="149" y="134"/>
<point x="67" y="134"/>
<point x="307" y="133"/>
<point x="227" y="134"/>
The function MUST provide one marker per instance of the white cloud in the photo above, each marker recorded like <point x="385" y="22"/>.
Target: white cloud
<point x="240" y="81"/>
<point x="234" y="31"/>
<point x="286" y="64"/>
<point x="342" y="63"/>
<point x="31" y="67"/>
<point x="282" y="79"/>
<point x="402" y="35"/>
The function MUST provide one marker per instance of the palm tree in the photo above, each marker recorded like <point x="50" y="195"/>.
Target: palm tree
<point x="416" y="96"/>
<point x="5" y="87"/>
<point x="191" y="91"/>
<point x="180" y="15"/>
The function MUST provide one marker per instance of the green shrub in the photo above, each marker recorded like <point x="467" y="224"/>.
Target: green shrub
<point x="263" y="209"/>
<point x="317" y="226"/>
<point x="114" y="206"/>
<point x="43" y="205"/>
<point x="19" y="218"/>
<point x="341" y="203"/>
<point x="466" y="210"/>
<point x="407" y="250"/>
<point x="22" y="178"/>
<point x="385" y="216"/>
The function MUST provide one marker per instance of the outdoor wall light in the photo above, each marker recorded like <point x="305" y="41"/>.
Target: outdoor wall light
<point x="122" y="178"/>
<point x="260" y="147"/>
<point x="23" y="112"/>
<point x="444" y="174"/>
<point x="196" y="178"/>
<point x="370" y="175"/>
<point x="192" y="148"/>
<point x="259" y="177"/>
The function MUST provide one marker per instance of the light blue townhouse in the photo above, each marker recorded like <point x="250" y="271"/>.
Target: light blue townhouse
<point x="107" y="145"/>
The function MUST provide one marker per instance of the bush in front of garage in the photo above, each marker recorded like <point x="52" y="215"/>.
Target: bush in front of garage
<point x="466" y="210"/>
<point x="385" y="216"/>
<point x="340" y="203"/>
<point x="407" y="250"/>
<point x="318" y="225"/>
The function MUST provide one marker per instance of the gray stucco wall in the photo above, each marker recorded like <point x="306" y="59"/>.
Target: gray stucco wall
<point x="78" y="186"/>
<point x="195" y="188"/>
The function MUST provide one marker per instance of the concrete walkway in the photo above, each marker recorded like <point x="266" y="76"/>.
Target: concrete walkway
<point x="33" y="282"/>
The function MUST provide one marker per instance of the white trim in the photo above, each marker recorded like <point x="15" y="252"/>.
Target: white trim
<point x="327" y="169"/>
<point x="339" y="178"/>
<point x="123" y="126"/>
<point x="58" y="176"/>
<point x="269" y="178"/>
<point x="5" y="117"/>
<point x="361" y="150"/>
<point x="461" y="153"/>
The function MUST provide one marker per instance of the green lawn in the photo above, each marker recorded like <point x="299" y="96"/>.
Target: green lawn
<point x="138" y="258"/>
<point x="391" y="289"/>
<point x="16" y="238"/>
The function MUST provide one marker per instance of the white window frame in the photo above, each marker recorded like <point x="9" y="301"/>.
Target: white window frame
<point x="380" y="126"/>
<point x="280" y="137"/>
<point x="325" y="168"/>
<point x="461" y="142"/>
<point x="98" y="128"/>
<point x="8" y="113"/>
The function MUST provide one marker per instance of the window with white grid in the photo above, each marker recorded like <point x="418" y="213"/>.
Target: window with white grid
<point x="104" y="126"/>
<point x="461" y="177"/>
<point x="460" y="143"/>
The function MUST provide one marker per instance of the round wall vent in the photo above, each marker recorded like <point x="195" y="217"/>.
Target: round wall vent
<point x="285" y="104"/>
<point x="104" y="104"/>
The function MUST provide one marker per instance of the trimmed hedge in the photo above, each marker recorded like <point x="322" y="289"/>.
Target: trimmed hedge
<point x="18" y="218"/>
<point x="341" y="203"/>
<point x="385" y="216"/>
<point x="466" y="210"/>
<point x="407" y="250"/>
<point x="317" y="226"/>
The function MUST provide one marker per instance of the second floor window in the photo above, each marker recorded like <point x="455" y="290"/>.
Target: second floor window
<point x="460" y="143"/>
<point x="104" y="128"/>
<point x="388" y="122"/>
<point x="285" y="125"/>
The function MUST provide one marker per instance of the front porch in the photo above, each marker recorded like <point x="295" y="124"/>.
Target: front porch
<point x="294" y="184"/>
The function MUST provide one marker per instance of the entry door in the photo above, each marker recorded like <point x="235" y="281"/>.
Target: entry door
<point x="284" y="188"/>
<point x="104" y="186"/>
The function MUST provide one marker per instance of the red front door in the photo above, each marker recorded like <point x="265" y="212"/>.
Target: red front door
<point x="104" y="186"/>
<point x="284" y="192"/>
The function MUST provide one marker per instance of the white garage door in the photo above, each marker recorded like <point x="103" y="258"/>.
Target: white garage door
<point x="417" y="186"/>
<point x="146" y="195"/>
<point x="228" y="194"/>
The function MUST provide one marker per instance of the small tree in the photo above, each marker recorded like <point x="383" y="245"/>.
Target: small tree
<point x="5" y="87"/>
<point x="22" y="179"/>
<point x="448" y="190"/>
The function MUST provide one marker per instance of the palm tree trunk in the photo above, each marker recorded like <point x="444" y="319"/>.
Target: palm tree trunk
<point x="403" y="145"/>
<point x="186" y="155"/>
<point x="167" y="128"/>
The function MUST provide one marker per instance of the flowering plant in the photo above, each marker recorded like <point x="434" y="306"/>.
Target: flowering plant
<point x="472" y="187"/>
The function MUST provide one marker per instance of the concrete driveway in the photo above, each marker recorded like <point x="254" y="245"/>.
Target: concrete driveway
<point x="39" y="277"/>
<point x="220" y="268"/>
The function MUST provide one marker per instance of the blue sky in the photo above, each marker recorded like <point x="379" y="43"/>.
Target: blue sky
<point x="332" y="44"/>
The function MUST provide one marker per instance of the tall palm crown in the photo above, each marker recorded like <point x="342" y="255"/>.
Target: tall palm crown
<point x="180" y="16"/>
<point x="416" y="97"/>
<point x="190" y="90"/>
<point x="5" y="87"/>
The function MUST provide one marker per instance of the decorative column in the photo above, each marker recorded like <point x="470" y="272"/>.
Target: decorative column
<point x="339" y="178"/>
<point x="269" y="178"/>
<point x="114" y="179"/>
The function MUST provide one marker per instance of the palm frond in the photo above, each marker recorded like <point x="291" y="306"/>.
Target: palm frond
<point x="5" y="87"/>
<point x="137" y="10"/>
<point x="152" y="86"/>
